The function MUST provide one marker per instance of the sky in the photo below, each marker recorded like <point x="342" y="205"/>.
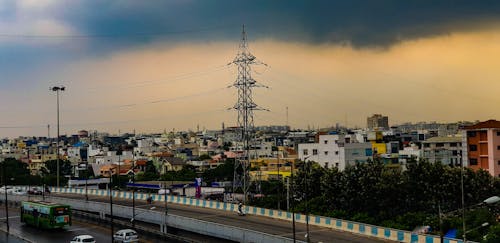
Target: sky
<point x="154" y="66"/>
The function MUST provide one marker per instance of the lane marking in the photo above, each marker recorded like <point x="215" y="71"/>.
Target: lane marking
<point x="10" y="217"/>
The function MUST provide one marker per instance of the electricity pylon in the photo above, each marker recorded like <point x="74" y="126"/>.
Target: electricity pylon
<point x="245" y="107"/>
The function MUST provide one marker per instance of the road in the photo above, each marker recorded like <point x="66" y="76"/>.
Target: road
<point x="51" y="236"/>
<point x="253" y="222"/>
<point x="32" y="234"/>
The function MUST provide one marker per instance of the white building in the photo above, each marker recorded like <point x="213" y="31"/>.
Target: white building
<point x="443" y="149"/>
<point x="336" y="151"/>
<point x="409" y="152"/>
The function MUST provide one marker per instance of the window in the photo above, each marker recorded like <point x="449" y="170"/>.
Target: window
<point x="305" y="152"/>
<point x="471" y="134"/>
<point x="453" y="144"/>
<point x="336" y="152"/>
<point x="498" y="147"/>
<point x="368" y="152"/>
<point x="498" y="133"/>
<point x="326" y="141"/>
<point x="454" y="152"/>
<point x="473" y="161"/>
<point x="498" y="162"/>
<point x="426" y="145"/>
<point x="315" y="152"/>
<point x="337" y="165"/>
<point x="326" y="165"/>
<point x="473" y="147"/>
<point x="439" y="145"/>
<point x="326" y="152"/>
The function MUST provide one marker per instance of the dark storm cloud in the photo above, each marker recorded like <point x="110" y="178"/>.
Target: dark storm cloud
<point x="359" y="23"/>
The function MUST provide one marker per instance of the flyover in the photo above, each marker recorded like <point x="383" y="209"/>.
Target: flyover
<point x="271" y="223"/>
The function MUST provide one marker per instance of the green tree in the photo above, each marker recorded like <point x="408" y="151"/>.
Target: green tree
<point x="204" y="157"/>
<point x="493" y="235"/>
<point x="16" y="172"/>
<point x="223" y="172"/>
<point x="65" y="167"/>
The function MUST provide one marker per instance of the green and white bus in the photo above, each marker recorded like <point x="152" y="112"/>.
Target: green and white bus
<point x="45" y="215"/>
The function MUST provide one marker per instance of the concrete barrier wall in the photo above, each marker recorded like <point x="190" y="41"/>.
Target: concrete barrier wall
<point x="333" y="223"/>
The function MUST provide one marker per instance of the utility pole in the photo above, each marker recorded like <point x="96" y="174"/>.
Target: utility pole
<point x="245" y="107"/>
<point x="57" y="89"/>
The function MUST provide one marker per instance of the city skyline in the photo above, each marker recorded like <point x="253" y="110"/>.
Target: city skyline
<point x="163" y="65"/>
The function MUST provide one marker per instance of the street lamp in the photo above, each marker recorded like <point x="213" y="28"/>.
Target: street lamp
<point x="293" y="201"/>
<point x="166" y="207"/>
<point x="86" y="179"/>
<point x="307" y="169"/>
<point x="57" y="89"/>
<point x="489" y="201"/>
<point x="111" y="203"/>
<point x="5" y="190"/>
<point x="492" y="200"/>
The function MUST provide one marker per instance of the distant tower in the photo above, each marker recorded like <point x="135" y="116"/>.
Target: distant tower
<point x="245" y="107"/>
<point x="377" y="121"/>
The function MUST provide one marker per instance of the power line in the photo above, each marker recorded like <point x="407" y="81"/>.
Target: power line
<point x="139" y="84"/>
<point x="206" y="92"/>
<point x="115" y="35"/>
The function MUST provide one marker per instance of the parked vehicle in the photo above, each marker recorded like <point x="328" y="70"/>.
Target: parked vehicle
<point x="9" y="189"/>
<point x="126" y="235"/>
<point x="35" y="191"/>
<point x="83" y="238"/>
<point x="163" y="191"/>
<point x="18" y="191"/>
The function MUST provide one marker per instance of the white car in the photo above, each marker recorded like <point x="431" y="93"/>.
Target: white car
<point x="83" y="238"/>
<point x="18" y="191"/>
<point x="9" y="189"/>
<point x="126" y="235"/>
<point x="163" y="191"/>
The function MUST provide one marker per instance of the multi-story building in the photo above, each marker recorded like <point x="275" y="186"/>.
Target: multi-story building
<point x="483" y="146"/>
<point x="336" y="150"/>
<point x="377" y="121"/>
<point x="445" y="150"/>
<point x="410" y="152"/>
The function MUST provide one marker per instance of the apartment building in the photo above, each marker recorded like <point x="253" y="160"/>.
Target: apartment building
<point x="445" y="150"/>
<point x="377" y="121"/>
<point x="336" y="150"/>
<point x="483" y="146"/>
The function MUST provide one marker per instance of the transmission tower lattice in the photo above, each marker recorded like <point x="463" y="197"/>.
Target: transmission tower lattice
<point x="245" y="107"/>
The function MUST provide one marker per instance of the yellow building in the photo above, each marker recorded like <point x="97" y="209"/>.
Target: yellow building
<point x="271" y="168"/>
<point x="379" y="148"/>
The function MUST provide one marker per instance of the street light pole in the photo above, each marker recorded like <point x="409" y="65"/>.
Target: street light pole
<point x="307" y="199"/>
<point x="293" y="203"/>
<point x="463" y="198"/>
<point x="111" y="203"/>
<point x="57" y="89"/>
<point x="166" y="207"/>
<point x="86" y="179"/>
<point x="6" y="204"/>
<point x="133" y="206"/>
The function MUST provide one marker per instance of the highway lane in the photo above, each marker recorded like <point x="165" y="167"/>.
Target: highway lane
<point x="52" y="236"/>
<point x="253" y="222"/>
<point x="101" y="233"/>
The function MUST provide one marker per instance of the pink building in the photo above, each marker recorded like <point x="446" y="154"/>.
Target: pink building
<point x="483" y="146"/>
